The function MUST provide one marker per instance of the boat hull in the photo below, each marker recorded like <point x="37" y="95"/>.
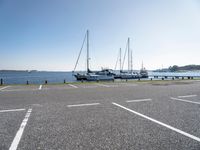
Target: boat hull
<point x="80" y="77"/>
<point x="100" y="78"/>
<point x="103" y="75"/>
<point x="127" y="76"/>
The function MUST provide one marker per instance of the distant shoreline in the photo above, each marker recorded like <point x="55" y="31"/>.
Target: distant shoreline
<point x="30" y="71"/>
<point x="179" y="69"/>
<point x="18" y="70"/>
<point x="174" y="68"/>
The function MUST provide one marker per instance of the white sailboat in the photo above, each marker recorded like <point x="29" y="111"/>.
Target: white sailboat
<point x="105" y="74"/>
<point x="143" y="72"/>
<point x="129" y="74"/>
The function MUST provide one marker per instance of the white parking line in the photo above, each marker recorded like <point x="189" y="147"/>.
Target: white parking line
<point x="16" y="90"/>
<point x="139" y="100"/>
<point x="160" y="123"/>
<point x="187" y="96"/>
<point x="100" y="84"/>
<point x="40" y="87"/>
<point x="183" y="100"/>
<point x="78" y="105"/>
<point x="19" y="133"/>
<point x="11" y="110"/>
<point x="73" y="86"/>
<point x="4" y="88"/>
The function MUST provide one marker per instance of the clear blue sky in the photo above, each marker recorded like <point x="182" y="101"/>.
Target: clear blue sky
<point x="47" y="34"/>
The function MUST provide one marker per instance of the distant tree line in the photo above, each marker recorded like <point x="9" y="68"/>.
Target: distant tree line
<point x="188" y="68"/>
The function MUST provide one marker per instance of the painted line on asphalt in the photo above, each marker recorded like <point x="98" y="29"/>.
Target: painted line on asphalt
<point x="139" y="100"/>
<point x="73" y="86"/>
<point x="187" y="96"/>
<point x="11" y="110"/>
<point x="183" y="100"/>
<point x="160" y="123"/>
<point x="15" y="90"/>
<point x="19" y="133"/>
<point x="100" y="84"/>
<point x="4" y="88"/>
<point x="79" y="105"/>
<point x="40" y="87"/>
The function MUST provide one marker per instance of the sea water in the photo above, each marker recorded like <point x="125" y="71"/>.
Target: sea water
<point x="39" y="77"/>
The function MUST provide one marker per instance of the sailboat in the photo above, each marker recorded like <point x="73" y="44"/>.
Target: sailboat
<point x="129" y="74"/>
<point x="104" y="74"/>
<point x="143" y="72"/>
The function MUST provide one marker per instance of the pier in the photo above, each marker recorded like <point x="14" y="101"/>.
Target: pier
<point x="173" y="77"/>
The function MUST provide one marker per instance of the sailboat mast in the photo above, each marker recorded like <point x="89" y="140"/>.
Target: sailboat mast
<point x="128" y="54"/>
<point x="120" y="59"/>
<point x="131" y="62"/>
<point x="142" y="65"/>
<point x="88" y="51"/>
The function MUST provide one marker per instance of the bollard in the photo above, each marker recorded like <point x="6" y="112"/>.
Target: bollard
<point x="182" y="78"/>
<point x="27" y="83"/>
<point x="45" y="81"/>
<point x="64" y="81"/>
<point x="172" y="78"/>
<point x="1" y="82"/>
<point x="151" y="79"/>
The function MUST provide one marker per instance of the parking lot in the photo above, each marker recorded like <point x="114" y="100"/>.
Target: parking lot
<point x="122" y="115"/>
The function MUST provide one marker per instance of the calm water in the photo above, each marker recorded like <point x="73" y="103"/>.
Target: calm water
<point x="36" y="77"/>
<point x="59" y="77"/>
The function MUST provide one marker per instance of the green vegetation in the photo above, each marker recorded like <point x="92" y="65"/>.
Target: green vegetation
<point x="176" y="68"/>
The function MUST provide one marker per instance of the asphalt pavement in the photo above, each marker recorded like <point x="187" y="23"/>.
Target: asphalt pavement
<point x="159" y="115"/>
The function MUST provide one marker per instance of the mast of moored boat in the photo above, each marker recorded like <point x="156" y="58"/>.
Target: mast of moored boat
<point x="120" y="60"/>
<point x="88" y="51"/>
<point x="131" y="62"/>
<point x="142" y="66"/>
<point x="128" y="54"/>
